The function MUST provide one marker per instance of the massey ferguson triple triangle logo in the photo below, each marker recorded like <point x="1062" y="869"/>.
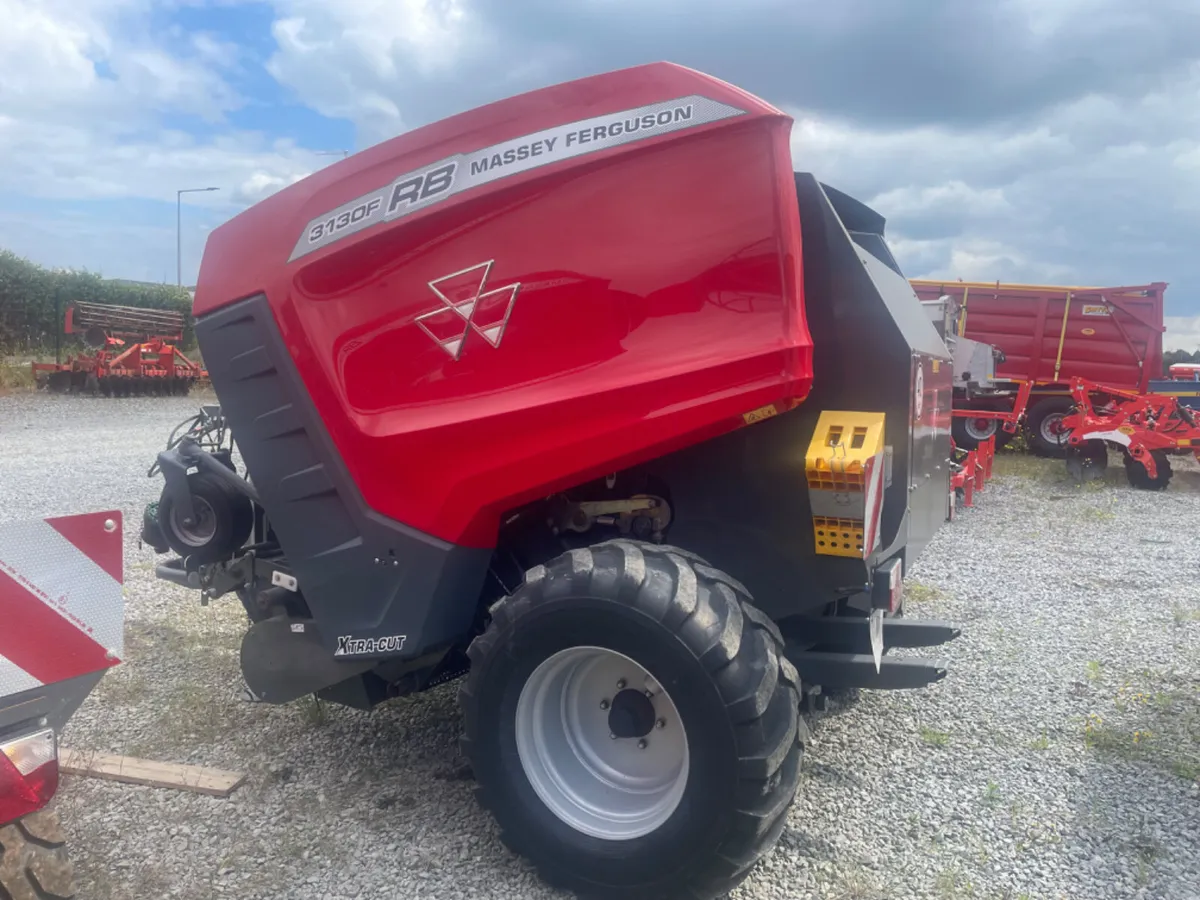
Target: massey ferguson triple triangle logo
<point x="465" y="306"/>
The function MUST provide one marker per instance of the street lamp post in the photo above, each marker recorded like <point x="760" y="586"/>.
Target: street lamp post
<point x="179" y="228"/>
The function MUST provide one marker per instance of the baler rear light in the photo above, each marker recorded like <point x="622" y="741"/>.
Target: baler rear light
<point x="844" y="468"/>
<point x="28" y="773"/>
<point x="887" y="587"/>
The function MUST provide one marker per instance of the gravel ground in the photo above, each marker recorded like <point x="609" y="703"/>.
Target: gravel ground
<point x="1059" y="758"/>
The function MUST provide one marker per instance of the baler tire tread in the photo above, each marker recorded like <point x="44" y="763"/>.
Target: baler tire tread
<point x="34" y="863"/>
<point x="741" y="651"/>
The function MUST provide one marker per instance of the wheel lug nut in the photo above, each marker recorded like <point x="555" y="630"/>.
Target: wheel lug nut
<point x="660" y="724"/>
<point x="650" y="694"/>
<point x="642" y="744"/>
<point x="612" y="737"/>
<point x="604" y="704"/>
<point x="620" y="684"/>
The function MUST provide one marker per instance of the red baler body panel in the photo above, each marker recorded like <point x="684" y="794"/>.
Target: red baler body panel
<point x="1111" y="335"/>
<point x="654" y="286"/>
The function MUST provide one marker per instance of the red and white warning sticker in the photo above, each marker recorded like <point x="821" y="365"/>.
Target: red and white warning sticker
<point x="61" y="603"/>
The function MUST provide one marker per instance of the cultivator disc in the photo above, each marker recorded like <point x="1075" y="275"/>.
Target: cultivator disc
<point x="1087" y="461"/>
<point x="118" y="385"/>
<point x="145" y="386"/>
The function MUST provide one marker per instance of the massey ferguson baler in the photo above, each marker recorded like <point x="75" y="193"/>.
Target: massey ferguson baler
<point x="587" y="396"/>
<point x="1047" y="336"/>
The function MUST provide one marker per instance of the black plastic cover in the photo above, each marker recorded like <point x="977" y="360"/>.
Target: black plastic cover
<point x="376" y="587"/>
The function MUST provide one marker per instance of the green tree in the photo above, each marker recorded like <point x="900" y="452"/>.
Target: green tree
<point x="33" y="300"/>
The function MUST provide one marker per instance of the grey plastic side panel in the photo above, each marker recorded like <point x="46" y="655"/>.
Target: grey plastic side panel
<point x="363" y="575"/>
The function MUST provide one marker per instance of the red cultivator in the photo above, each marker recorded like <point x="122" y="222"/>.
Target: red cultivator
<point x="971" y="471"/>
<point x="153" y="365"/>
<point x="1148" y="427"/>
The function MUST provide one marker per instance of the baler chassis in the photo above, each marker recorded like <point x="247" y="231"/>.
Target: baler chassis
<point x="631" y="707"/>
<point x="833" y="651"/>
<point x="1149" y="428"/>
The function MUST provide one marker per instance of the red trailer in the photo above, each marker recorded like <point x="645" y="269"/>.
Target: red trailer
<point x="1049" y="335"/>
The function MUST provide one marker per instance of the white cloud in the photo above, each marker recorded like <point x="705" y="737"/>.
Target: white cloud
<point x="1183" y="333"/>
<point x="84" y="85"/>
<point x="1070" y="153"/>
<point x="1094" y="191"/>
<point x="355" y="60"/>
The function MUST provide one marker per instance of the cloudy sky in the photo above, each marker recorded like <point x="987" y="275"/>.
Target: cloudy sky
<point x="1026" y="140"/>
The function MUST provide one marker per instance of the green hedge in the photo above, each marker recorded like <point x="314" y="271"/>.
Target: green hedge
<point x="28" y="294"/>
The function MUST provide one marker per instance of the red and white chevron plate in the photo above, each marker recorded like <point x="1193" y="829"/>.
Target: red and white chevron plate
<point x="62" y="610"/>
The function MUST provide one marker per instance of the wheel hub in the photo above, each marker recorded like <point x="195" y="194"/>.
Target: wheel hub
<point x="199" y="532"/>
<point x="601" y="743"/>
<point x="981" y="429"/>
<point x="631" y="715"/>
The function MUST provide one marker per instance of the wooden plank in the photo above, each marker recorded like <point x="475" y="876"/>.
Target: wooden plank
<point x="130" y="770"/>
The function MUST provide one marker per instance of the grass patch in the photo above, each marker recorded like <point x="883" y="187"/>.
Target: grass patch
<point x="1042" y="742"/>
<point x="1154" y="720"/>
<point x="850" y="884"/>
<point x="1012" y="464"/>
<point x="16" y="379"/>
<point x="1182" y="615"/>
<point x="951" y="884"/>
<point x="1053" y="473"/>
<point x="916" y="592"/>
<point x="991" y="794"/>
<point x="933" y="737"/>
<point x="313" y="710"/>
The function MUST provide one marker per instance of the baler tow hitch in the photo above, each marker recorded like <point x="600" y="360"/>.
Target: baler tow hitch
<point x="835" y="651"/>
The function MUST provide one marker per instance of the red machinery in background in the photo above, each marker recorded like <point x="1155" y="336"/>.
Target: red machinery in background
<point x="1048" y="335"/>
<point x="1149" y="428"/>
<point x="153" y="364"/>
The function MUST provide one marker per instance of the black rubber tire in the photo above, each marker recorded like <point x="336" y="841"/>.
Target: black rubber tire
<point x="1040" y="411"/>
<point x="962" y="438"/>
<point x="234" y="515"/>
<point x="695" y="629"/>
<point x="1139" y="478"/>
<point x="34" y="864"/>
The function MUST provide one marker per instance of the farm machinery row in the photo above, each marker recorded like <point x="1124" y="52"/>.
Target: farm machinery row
<point x="131" y="352"/>
<point x="1148" y="429"/>
<point x="1070" y="368"/>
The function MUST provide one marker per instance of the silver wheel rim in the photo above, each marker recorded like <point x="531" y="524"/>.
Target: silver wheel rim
<point x="613" y="788"/>
<point x="200" y="532"/>
<point x="1049" y="434"/>
<point x="980" y="434"/>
